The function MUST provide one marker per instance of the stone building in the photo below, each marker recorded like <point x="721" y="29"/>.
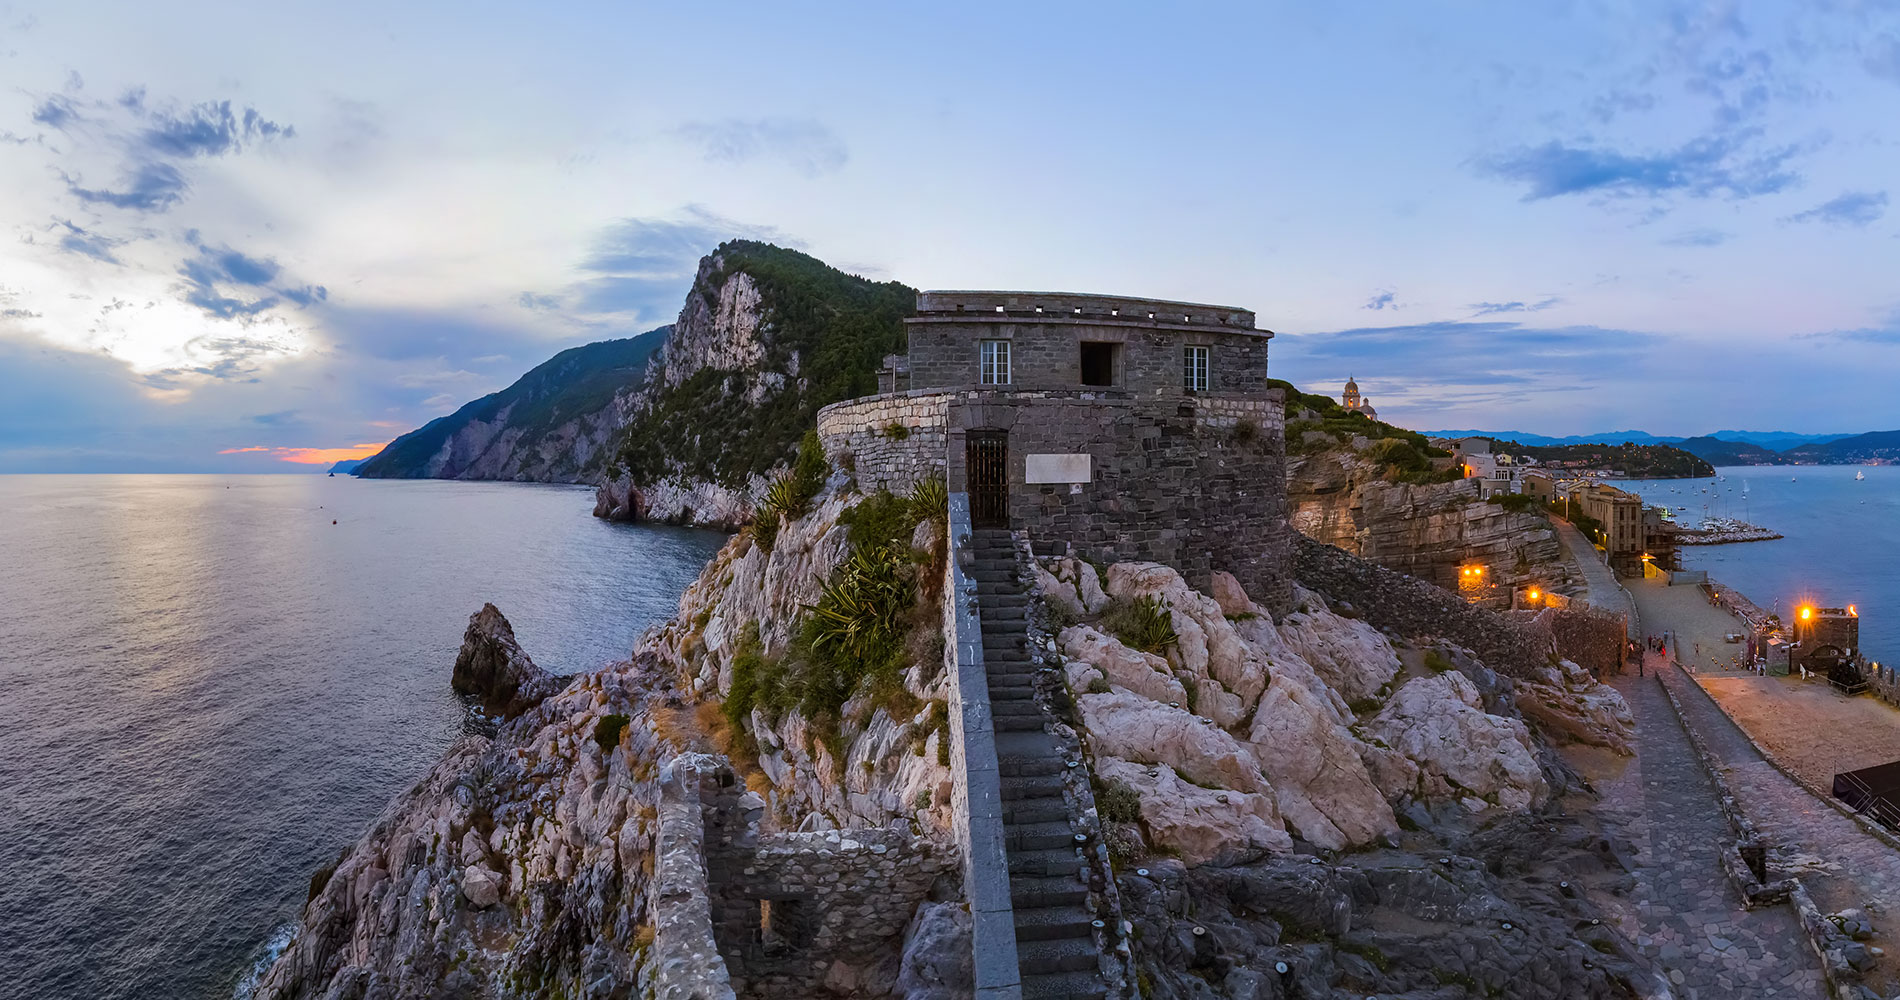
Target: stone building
<point x="1621" y="514"/>
<point x="1351" y="400"/>
<point x="1120" y="428"/>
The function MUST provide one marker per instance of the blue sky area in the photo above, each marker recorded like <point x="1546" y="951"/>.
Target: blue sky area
<point x="275" y="227"/>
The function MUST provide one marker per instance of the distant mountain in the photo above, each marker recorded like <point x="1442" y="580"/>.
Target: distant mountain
<point x="1770" y="440"/>
<point x="1716" y="451"/>
<point x="558" y="423"/>
<point x="347" y="466"/>
<point x="1877" y="446"/>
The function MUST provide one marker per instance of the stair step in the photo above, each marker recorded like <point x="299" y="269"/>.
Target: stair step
<point x="1052" y="862"/>
<point x="1052" y="923"/>
<point x="1005" y="629"/>
<point x="1027" y="892"/>
<point x="993" y="574"/>
<point x="1004" y="672"/>
<point x="1039" y="836"/>
<point x="1067" y="955"/>
<point x="1010" y="693"/>
<point x="990" y="602"/>
<point x="1045" y="810"/>
<point x="1019" y="723"/>
<point x="1015" y="706"/>
<point x="1031" y="787"/>
<point x="1065" y="986"/>
<point x="1029" y="767"/>
<point x="1001" y="616"/>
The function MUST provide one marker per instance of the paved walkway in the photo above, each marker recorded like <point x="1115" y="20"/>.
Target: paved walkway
<point x="1841" y="864"/>
<point x="1692" y="925"/>
<point x="1603" y="590"/>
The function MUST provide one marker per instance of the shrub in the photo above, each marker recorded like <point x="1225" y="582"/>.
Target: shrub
<point x="1436" y="661"/>
<point x="930" y="498"/>
<point x="1143" y="623"/>
<point x="607" y="731"/>
<point x="896" y="431"/>
<point x="1117" y="802"/>
<point x="1516" y="503"/>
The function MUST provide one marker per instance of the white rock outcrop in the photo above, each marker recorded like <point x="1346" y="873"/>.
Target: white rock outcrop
<point x="1203" y="825"/>
<point x="1461" y="751"/>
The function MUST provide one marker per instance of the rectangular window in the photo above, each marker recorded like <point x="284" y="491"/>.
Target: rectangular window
<point x="1098" y="363"/>
<point x="995" y="362"/>
<point x="1194" y="369"/>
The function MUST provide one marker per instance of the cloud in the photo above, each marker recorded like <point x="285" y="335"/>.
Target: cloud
<point x="213" y="266"/>
<point x="803" y="143"/>
<point x="542" y="303"/>
<point x="147" y="187"/>
<point x="1883" y="58"/>
<point x="208" y="129"/>
<point x="643" y="266"/>
<point x="311" y="456"/>
<point x="1851" y="208"/>
<point x="1699" y="238"/>
<point x="1383" y="300"/>
<point x="85" y="243"/>
<point x="1707" y="166"/>
<point x="1493" y="308"/>
<point x="56" y="111"/>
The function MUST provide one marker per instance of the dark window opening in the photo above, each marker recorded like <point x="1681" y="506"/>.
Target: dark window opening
<point x="1098" y="363"/>
<point x="784" y="925"/>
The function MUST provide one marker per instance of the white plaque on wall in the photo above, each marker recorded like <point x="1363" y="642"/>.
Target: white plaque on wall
<point x="1057" y="469"/>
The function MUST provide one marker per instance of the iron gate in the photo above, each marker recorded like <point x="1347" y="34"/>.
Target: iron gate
<point x="986" y="457"/>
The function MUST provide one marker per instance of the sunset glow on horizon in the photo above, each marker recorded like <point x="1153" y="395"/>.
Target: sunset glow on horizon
<point x="311" y="456"/>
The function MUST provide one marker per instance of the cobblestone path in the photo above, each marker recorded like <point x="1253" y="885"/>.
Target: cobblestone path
<point x="1844" y="864"/>
<point x="1692" y="924"/>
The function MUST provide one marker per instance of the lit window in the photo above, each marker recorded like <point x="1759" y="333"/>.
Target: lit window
<point x="1194" y="369"/>
<point x="995" y="362"/>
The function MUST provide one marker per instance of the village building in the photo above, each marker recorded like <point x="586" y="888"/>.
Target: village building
<point x="1621" y="515"/>
<point x="1116" y="428"/>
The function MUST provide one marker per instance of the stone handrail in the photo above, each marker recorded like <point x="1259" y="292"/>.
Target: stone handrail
<point x="686" y="960"/>
<point x="978" y="795"/>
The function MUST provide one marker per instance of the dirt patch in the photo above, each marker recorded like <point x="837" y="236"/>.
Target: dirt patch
<point x="1812" y="729"/>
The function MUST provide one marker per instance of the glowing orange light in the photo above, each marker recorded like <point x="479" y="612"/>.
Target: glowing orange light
<point x="1533" y="593"/>
<point x="1807" y="613"/>
<point x="1853" y="610"/>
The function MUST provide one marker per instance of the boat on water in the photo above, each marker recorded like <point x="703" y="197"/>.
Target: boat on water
<point x="1859" y="475"/>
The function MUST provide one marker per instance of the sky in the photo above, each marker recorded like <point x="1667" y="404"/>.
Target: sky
<point x="263" y="237"/>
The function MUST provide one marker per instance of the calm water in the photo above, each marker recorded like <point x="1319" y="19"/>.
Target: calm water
<point x="207" y="689"/>
<point x="1842" y="543"/>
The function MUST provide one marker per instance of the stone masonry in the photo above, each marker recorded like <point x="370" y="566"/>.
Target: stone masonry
<point x="740" y="915"/>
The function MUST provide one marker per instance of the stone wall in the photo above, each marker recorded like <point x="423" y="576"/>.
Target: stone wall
<point x="977" y="793"/>
<point x="1196" y="482"/>
<point x="1045" y="333"/>
<point x="1392" y="601"/>
<point x="786" y="916"/>
<point x="1592" y="638"/>
<point x="892" y="441"/>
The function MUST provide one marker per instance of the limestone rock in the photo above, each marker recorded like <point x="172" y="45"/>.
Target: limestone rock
<point x="1126" y="725"/>
<point x="1230" y="674"/>
<point x="1143" y="673"/>
<point x="936" y="963"/>
<point x="1461" y="751"/>
<point x="1071" y="583"/>
<point x="481" y="887"/>
<point x="1205" y="826"/>
<point x="1567" y="703"/>
<point x="493" y="669"/>
<point x="1319" y="779"/>
<point x="1354" y="658"/>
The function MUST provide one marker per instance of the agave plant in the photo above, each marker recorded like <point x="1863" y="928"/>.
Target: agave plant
<point x="783" y="496"/>
<point x="930" y="498"/>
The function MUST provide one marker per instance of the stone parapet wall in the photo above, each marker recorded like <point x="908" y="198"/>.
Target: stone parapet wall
<point x="893" y="441"/>
<point x="1395" y="602"/>
<point x="1594" y="639"/>
<point x="977" y="792"/>
<point x="686" y="963"/>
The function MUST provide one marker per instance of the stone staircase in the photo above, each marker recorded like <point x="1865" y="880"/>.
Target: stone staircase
<point x="1055" y="938"/>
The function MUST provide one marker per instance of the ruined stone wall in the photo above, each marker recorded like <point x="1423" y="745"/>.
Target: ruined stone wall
<point x="807" y="909"/>
<point x="1395" y="602"/>
<point x="736" y="915"/>
<point x="892" y="441"/>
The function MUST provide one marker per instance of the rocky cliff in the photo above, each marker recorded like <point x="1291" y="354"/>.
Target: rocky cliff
<point x="1296" y="807"/>
<point x="558" y="423"/>
<point x="1342" y="497"/>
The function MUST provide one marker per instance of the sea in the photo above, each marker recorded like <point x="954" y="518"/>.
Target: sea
<point x="1841" y="541"/>
<point x="210" y="685"/>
